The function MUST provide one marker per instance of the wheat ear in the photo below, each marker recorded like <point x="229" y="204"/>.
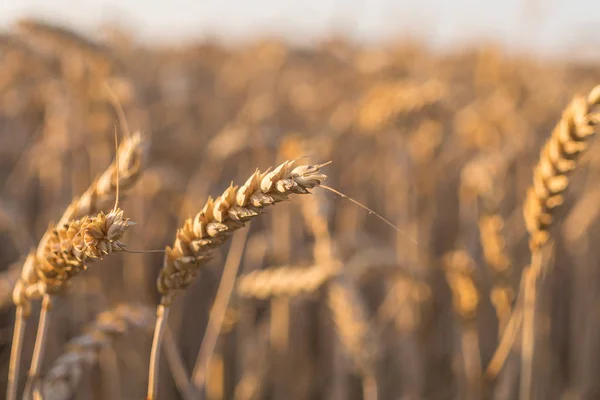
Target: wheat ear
<point x="212" y="226"/>
<point x="559" y="156"/>
<point x="352" y="328"/>
<point x="67" y="252"/>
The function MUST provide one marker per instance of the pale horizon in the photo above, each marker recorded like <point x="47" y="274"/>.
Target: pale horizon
<point x="553" y="28"/>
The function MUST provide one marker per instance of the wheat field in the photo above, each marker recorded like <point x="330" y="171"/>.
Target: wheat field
<point x="279" y="222"/>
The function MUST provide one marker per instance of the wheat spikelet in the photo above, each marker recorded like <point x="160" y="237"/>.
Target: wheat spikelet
<point x="283" y="281"/>
<point x="219" y="218"/>
<point x="62" y="380"/>
<point x="559" y="156"/>
<point x="351" y="325"/>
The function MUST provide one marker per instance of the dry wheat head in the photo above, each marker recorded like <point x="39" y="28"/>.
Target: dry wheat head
<point x="71" y="247"/>
<point x="211" y="227"/>
<point x="559" y="156"/>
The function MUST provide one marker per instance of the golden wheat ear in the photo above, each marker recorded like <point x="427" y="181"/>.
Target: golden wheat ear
<point x="558" y="158"/>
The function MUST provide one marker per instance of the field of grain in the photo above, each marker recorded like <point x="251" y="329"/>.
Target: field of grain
<point x="469" y="271"/>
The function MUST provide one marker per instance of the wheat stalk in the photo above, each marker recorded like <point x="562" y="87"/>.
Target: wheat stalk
<point x="212" y="226"/>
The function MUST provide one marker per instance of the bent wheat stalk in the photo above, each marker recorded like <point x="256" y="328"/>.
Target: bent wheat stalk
<point x="212" y="226"/>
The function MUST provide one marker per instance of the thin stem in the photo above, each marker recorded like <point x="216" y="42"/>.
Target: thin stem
<point x="369" y="384"/>
<point x="513" y="327"/>
<point x="15" y="354"/>
<point x="39" y="349"/>
<point x="162" y="314"/>
<point x="471" y="360"/>
<point x="219" y="308"/>
<point x="528" y="338"/>
<point x="178" y="370"/>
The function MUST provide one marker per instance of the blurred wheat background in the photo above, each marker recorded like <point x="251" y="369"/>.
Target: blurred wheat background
<point x="317" y="298"/>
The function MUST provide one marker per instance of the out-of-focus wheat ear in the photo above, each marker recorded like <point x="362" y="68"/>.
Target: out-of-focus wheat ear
<point x="284" y="281"/>
<point x="81" y="353"/>
<point x="350" y="317"/>
<point x="559" y="156"/>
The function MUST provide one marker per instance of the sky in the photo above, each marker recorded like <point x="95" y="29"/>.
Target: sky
<point x="545" y="26"/>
